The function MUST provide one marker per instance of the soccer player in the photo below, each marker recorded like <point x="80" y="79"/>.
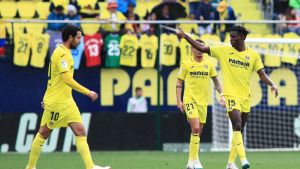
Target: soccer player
<point x="237" y="63"/>
<point x="196" y="72"/>
<point x="60" y="110"/>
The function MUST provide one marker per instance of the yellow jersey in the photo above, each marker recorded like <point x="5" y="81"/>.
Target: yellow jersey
<point x="196" y="77"/>
<point x="22" y="49"/>
<point x="186" y="52"/>
<point x="149" y="46"/>
<point x="112" y="27"/>
<point x="237" y="68"/>
<point x="40" y="45"/>
<point x="57" y="91"/>
<point x="168" y="45"/>
<point x="129" y="45"/>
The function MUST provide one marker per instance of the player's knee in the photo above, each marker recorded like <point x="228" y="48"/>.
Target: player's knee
<point x="80" y="132"/>
<point x="196" y="130"/>
<point x="45" y="133"/>
<point x="237" y="126"/>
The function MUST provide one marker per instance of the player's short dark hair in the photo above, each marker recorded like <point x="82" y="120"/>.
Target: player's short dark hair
<point x="200" y="41"/>
<point x="240" y="29"/>
<point x="68" y="31"/>
<point x="138" y="89"/>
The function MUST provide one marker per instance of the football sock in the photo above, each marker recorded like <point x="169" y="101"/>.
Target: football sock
<point x="194" y="147"/>
<point x="84" y="151"/>
<point x="237" y="140"/>
<point x="232" y="154"/>
<point x="36" y="149"/>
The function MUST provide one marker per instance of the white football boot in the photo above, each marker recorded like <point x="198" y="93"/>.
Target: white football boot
<point x="245" y="164"/>
<point x="194" y="165"/>
<point x="99" y="167"/>
<point x="231" y="166"/>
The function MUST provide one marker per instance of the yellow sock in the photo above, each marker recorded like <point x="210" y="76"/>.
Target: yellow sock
<point x="237" y="140"/>
<point x="84" y="151"/>
<point x="194" y="147"/>
<point x="36" y="149"/>
<point x="232" y="154"/>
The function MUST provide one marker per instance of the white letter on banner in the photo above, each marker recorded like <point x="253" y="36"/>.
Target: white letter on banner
<point x="27" y="122"/>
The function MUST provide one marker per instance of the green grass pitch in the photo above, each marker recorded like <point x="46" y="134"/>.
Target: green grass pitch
<point x="151" y="160"/>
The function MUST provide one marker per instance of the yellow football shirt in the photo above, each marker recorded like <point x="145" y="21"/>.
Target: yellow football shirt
<point x="129" y="45"/>
<point x="22" y="49"/>
<point x="149" y="45"/>
<point x="196" y="77"/>
<point x="186" y="52"/>
<point x="61" y="61"/>
<point x="40" y="45"/>
<point x="236" y="68"/>
<point x="168" y="45"/>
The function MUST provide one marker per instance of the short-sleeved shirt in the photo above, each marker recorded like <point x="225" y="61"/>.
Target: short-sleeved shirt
<point x="149" y="45"/>
<point x="129" y="45"/>
<point x="237" y="68"/>
<point x="61" y="62"/>
<point x="196" y="77"/>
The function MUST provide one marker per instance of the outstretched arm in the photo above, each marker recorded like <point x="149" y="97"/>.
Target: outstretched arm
<point x="219" y="88"/>
<point x="200" y="47"/>
<point x="266" y="79"/>
<point x="180" y="105"/>
<point x="68" y="79"/>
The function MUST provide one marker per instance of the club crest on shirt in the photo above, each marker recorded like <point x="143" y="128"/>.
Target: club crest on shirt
<point x="247" y="57"/>
<point x="64" y="64"/>
<point x="51" y="123"/>
<point x="206" y="66"/>
<point x="192" y="67"/>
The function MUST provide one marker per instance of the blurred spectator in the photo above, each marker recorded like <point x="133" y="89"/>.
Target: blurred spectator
<point x="165" y="15"/>
<point x="137" y="104"/>
<point x="296" y="5"/>
<point x="223" y="12"/>
<point x="130" y="15"/>
<point x="148" y="28"/>
<point x="123" y="4"/>
<point x="112" y="15"/>
<point x="72" y="14"/>
<point x="193" y="5"/>
<point x="204" y="12"/>
<point x="280" y="7"/>
<point x="290" y="15"/>
<point x="57" y="14"/>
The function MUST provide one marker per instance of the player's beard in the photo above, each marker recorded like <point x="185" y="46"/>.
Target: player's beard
<point x="74" y="46"/>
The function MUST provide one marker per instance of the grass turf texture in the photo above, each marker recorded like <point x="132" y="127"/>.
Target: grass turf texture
<point x="151" y="160"/>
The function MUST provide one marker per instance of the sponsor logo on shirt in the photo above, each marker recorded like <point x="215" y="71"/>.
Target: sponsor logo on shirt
<point x="199" y="74"/>
<point x="239" y="63"/>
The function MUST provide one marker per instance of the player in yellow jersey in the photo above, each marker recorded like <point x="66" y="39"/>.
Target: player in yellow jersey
<point x="196" y="73"/>
<point x="60" y="110"/>
<point x="237" y="64"/>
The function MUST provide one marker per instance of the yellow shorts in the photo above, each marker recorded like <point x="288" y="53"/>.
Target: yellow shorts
<point x="193" y="110"/>
<point x="57" y="115"/>
<point x="243" y="105"/>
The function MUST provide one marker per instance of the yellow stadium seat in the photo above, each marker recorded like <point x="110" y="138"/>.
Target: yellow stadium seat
<point x="2" y="30"/>
<point x="210" y="40"/>
<point x="291" y="48"/>
<point x="43" y="9"/>
<point x="60" y="2"/>
<point x="83" y="3"/>
<point x="19" y="28"/>
<point x="189" y="27"/>
<point x="103" y="7"/>
<point x="26" y="9"/>
<point x="90" y="29"/>
<point x="255" y="45"/>
<point x="140" y="9"/>
<point x="8" y="9"/>
<point x="272" y="60"/>
<point x="33" y="28"/>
